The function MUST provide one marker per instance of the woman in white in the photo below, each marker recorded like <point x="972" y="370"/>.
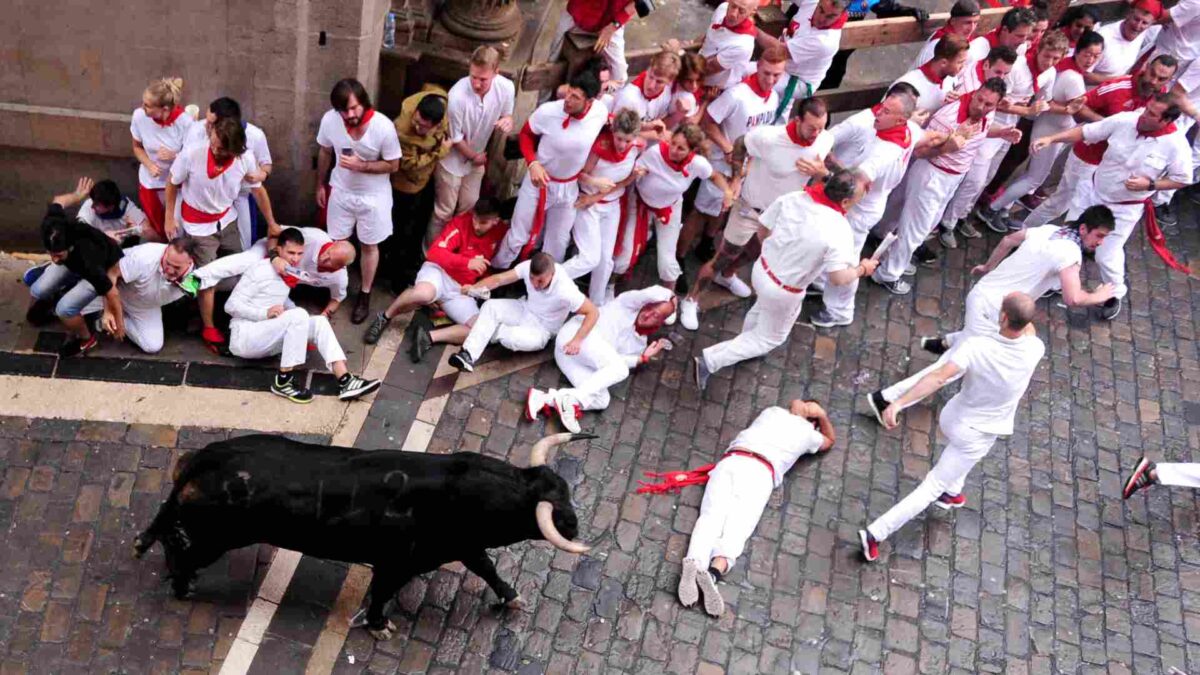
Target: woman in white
<point x="609" y="170"/>
<point x="1066" y="100"/>
<point x="669" y="172"/>
<point x="159" y="129"/>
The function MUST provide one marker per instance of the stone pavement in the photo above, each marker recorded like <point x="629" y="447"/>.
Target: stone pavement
<point x="1045" y="571"/>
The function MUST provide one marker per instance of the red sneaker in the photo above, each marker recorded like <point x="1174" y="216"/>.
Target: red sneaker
<point x="948" y="501"/>
<point x="870" y="547"/>
<point x="215" y="341"/>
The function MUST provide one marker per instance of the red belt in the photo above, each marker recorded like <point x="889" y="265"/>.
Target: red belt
<point x="1154" y="233"/>
<point x="739" y="452"/>
<point x="539" y="216"/>
<point x="194" y="215"/>
<point x="945" y="170"/>
<point x="789" y="289"/>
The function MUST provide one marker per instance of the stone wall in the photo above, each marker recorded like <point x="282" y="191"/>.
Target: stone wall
<point x="72" y="71"/>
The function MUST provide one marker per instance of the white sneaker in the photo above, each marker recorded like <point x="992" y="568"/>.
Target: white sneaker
<point x="568" y="411"/>
<point x="689" y="314"/>
<point x="535" y="401"/>
<point x="671" y="319"/>
<point x="689" y="592"/>
<point x="734" y="284"/>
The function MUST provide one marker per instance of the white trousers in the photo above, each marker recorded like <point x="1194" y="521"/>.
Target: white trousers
<point x="593" y="370"/>
<point x="982" y="171"/>
<point x="1110" y="254"/>
<point x="595" y="234"/>
<point x="1181" y="474"/>
<point x="839" y="300"/>
<point x="925" y="197"/>
<point x="667" y="235"/>
<point x="614" y="52"/>
<point x="143" y="325"/>
<point x="509" y="323"/>
<point x="737" y="491"/>
<point x="766" y="326"/>
<point x="231" y="266"/>
<point x="965" y="448"/>
<point x="245" y="222"/>
<point x="1076" y="173"/>
<point x="981" y="318"/>
<point x="1036" y="172"/>
<point x="560" y="215"/>
<point x="287" y="335"/>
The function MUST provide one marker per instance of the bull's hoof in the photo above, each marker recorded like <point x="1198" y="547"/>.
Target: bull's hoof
<point x="383" y="634"/>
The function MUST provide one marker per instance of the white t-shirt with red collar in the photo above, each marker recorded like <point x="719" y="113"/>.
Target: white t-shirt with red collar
<point x="154" y="136"/>
<point x="733" y="48"/>
<point x="811" y="49"/>
<point x="1163" y="155"/>
<point x="738" y="110"/>
<point x="612" y="166"/>
<point x="809" y="237"/>
<point x="774" y="151"/>
<point x="664" y="184"/>
<point x="979" y="48"/>
<point x="932" y="93"/>
<point x="565" y="142"/>
<point x="633" y="97"/>
<point x="1023" y="87"/>
<point x="378" y="142"/>
<point x="1119" y="54"/>
<point x="209" y="190"/>
<point x="884" y="162"/>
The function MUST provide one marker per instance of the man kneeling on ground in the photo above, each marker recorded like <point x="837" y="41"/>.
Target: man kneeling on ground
<point x="263" y="325"/>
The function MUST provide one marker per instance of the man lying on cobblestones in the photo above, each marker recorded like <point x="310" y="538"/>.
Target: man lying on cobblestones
<point x="620" y="343"/>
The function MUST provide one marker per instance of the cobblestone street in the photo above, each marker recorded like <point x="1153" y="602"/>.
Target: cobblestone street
<point x="1045" y="571"/>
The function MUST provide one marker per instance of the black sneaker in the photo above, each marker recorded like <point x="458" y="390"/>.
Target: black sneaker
<point x="78" y="346"/>
<point x="421" y="343"/>
<point x="878" y="404"/>
<point x="289" y="387"/>
<point x="1139" y="479"/>
<point x="701" y="372"/>
<point x="375" y="330"/>
<point x="1110" y="309"/>
<point x="925" y="255"/>
<point x="463" y="361"/>
<point x="352" y="386"/>
<point x="967" y="229"/>
<point x="934" y="345"/>
<point x="823" y="319"/>
<point x="993" y="218"/>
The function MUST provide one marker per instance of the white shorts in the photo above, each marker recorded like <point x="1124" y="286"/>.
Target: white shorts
<point x="460" y="308"/>
<point x="367" y="215"/>
<point x="710" y="197"/>
<point x="742" y="225"/>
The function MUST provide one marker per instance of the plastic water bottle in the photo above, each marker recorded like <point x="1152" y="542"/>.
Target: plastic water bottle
<point x="389" y="31"/>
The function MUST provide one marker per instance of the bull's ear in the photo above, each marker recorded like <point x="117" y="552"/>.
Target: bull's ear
<point x="544" y="483"/>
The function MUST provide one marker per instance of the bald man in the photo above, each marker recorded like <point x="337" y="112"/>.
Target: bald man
<point x="995" y="370"/>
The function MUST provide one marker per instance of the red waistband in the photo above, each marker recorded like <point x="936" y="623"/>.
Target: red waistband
<point x="945" y="170"/>
<point x="564" y="180"/>
<point x="194" y="215"/>
<point x="741" y="452"/>
<point x="789" y="289"/>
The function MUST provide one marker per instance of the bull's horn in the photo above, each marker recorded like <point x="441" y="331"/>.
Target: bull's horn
<point x="541" y="449"/>
<point x="545" y="521"/>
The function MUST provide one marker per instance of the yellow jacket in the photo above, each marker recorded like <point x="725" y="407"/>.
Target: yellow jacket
<point x="419" y="154"/>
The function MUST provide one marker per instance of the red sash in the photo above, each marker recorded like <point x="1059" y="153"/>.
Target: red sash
<point x="539" y="216"/>
<point x="1158" y="240"/>
<point x="677" y="480"/>
<point x="641" y="230"/>
<point x="194" y="215"/>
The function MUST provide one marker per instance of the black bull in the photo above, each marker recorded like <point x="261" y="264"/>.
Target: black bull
<point x="403" y="513"/>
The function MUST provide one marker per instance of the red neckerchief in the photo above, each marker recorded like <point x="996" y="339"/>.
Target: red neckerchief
<point x="940" y="33"/>
<point x="681" y="167"/>
<point x="746" y="27"/>
<point x="175" y="113"/>
<point x="582" y="114"/>
<point x="876" y="108"/>
<point x="752" y="82"/>
<point x="837" y="24"/>
<point x="362" y="122"/>
<point x="1066" y="30"/>
<point x="817" y="194"/>
<point x="321" y="252"/>
<point x="640" y="83"/>
<point x="605" y="148"/>
<point x="964" y="106"/>
<point x="215" y="169"/>
<point x="1068" y="64"/>
<point x="793" y="132"/>
<point x="898" y="134"/>
<point x="927" y="71"/>
<point x="1031" y="62"/>
<point x="1169" y="129"/>
<point x="993" y="37"/>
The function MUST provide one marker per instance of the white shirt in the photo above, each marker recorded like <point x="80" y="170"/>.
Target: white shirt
<point x="807" y="239"/>
<point x="996" y="371"/>
<point x="1181" y="38"/>
<point x="979" y="48"/>
<point x="152" y="136"/>
<point x="259" y="289"/>
<point x="1119" y="54"/>
<point x="851" y="136"/>
<point x="811" y="49"/>
<point x="884" y="164"/>
<point x="662" y="186"/>
<point x="472" y="119"/>
<point x="732" y="49"/>
<point x="210" y="195"/>
<point x="562" y="151"/>
<point x="630" y="96"/>
<point x="1020" y="89"/>
<point x="773" y="169"/>
<point x="143" y="284"/>
<point x="133" y="218"/>
<point x="781" y="438"/>
<point x="1068" y="86"/>
<point x="737" y="111"/>
<point x="688" y="98"/>
<point x="1131" y="154"/>
<point x="1033" y="268"/>
<point x="256" y="142"/>
<point x="378" y="142"/>
<point x="552" y="306"/>
<point x="932" y="94"/>
<point x="337" y="282"/>
<point x="614" y="171"/>
<point x="618" y="317"/>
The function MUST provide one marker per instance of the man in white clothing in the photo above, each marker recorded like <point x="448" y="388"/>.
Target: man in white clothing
<point x="478" y="104"/>
<point x="996" y="370"/>
<point x="804" y="234"/>
<point x="812" y="38"/>
<point x="729" y="43"/>
<point x="964" y="19"/>
<point x="263" y="325"/>
<point x="738" y="489"/>
<point x="935" y="80"/>
<point x="1147" y="473"/>
<point x="1124" y="41"/>
<point x="526" y="325"/>
<point x="619" y="343"/>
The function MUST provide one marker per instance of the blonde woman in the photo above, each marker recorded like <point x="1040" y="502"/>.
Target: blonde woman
<point x="159" y="129"/>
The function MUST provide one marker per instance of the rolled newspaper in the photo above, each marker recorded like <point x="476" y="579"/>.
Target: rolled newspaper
<point x="480" y="293"/>
<point x="883" y="246"/>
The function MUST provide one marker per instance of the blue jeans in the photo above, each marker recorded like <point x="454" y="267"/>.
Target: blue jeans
<point x="53" y="281"/>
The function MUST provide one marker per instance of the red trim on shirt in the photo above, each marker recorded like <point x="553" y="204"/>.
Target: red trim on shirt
<point x="817" y="194"/>
<point x="527" y="140"/>
<point x="175" y="113"/>
<point x="214" y="168"/>
<point x="793" y="132"/>
<point x="752" y="82"/>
